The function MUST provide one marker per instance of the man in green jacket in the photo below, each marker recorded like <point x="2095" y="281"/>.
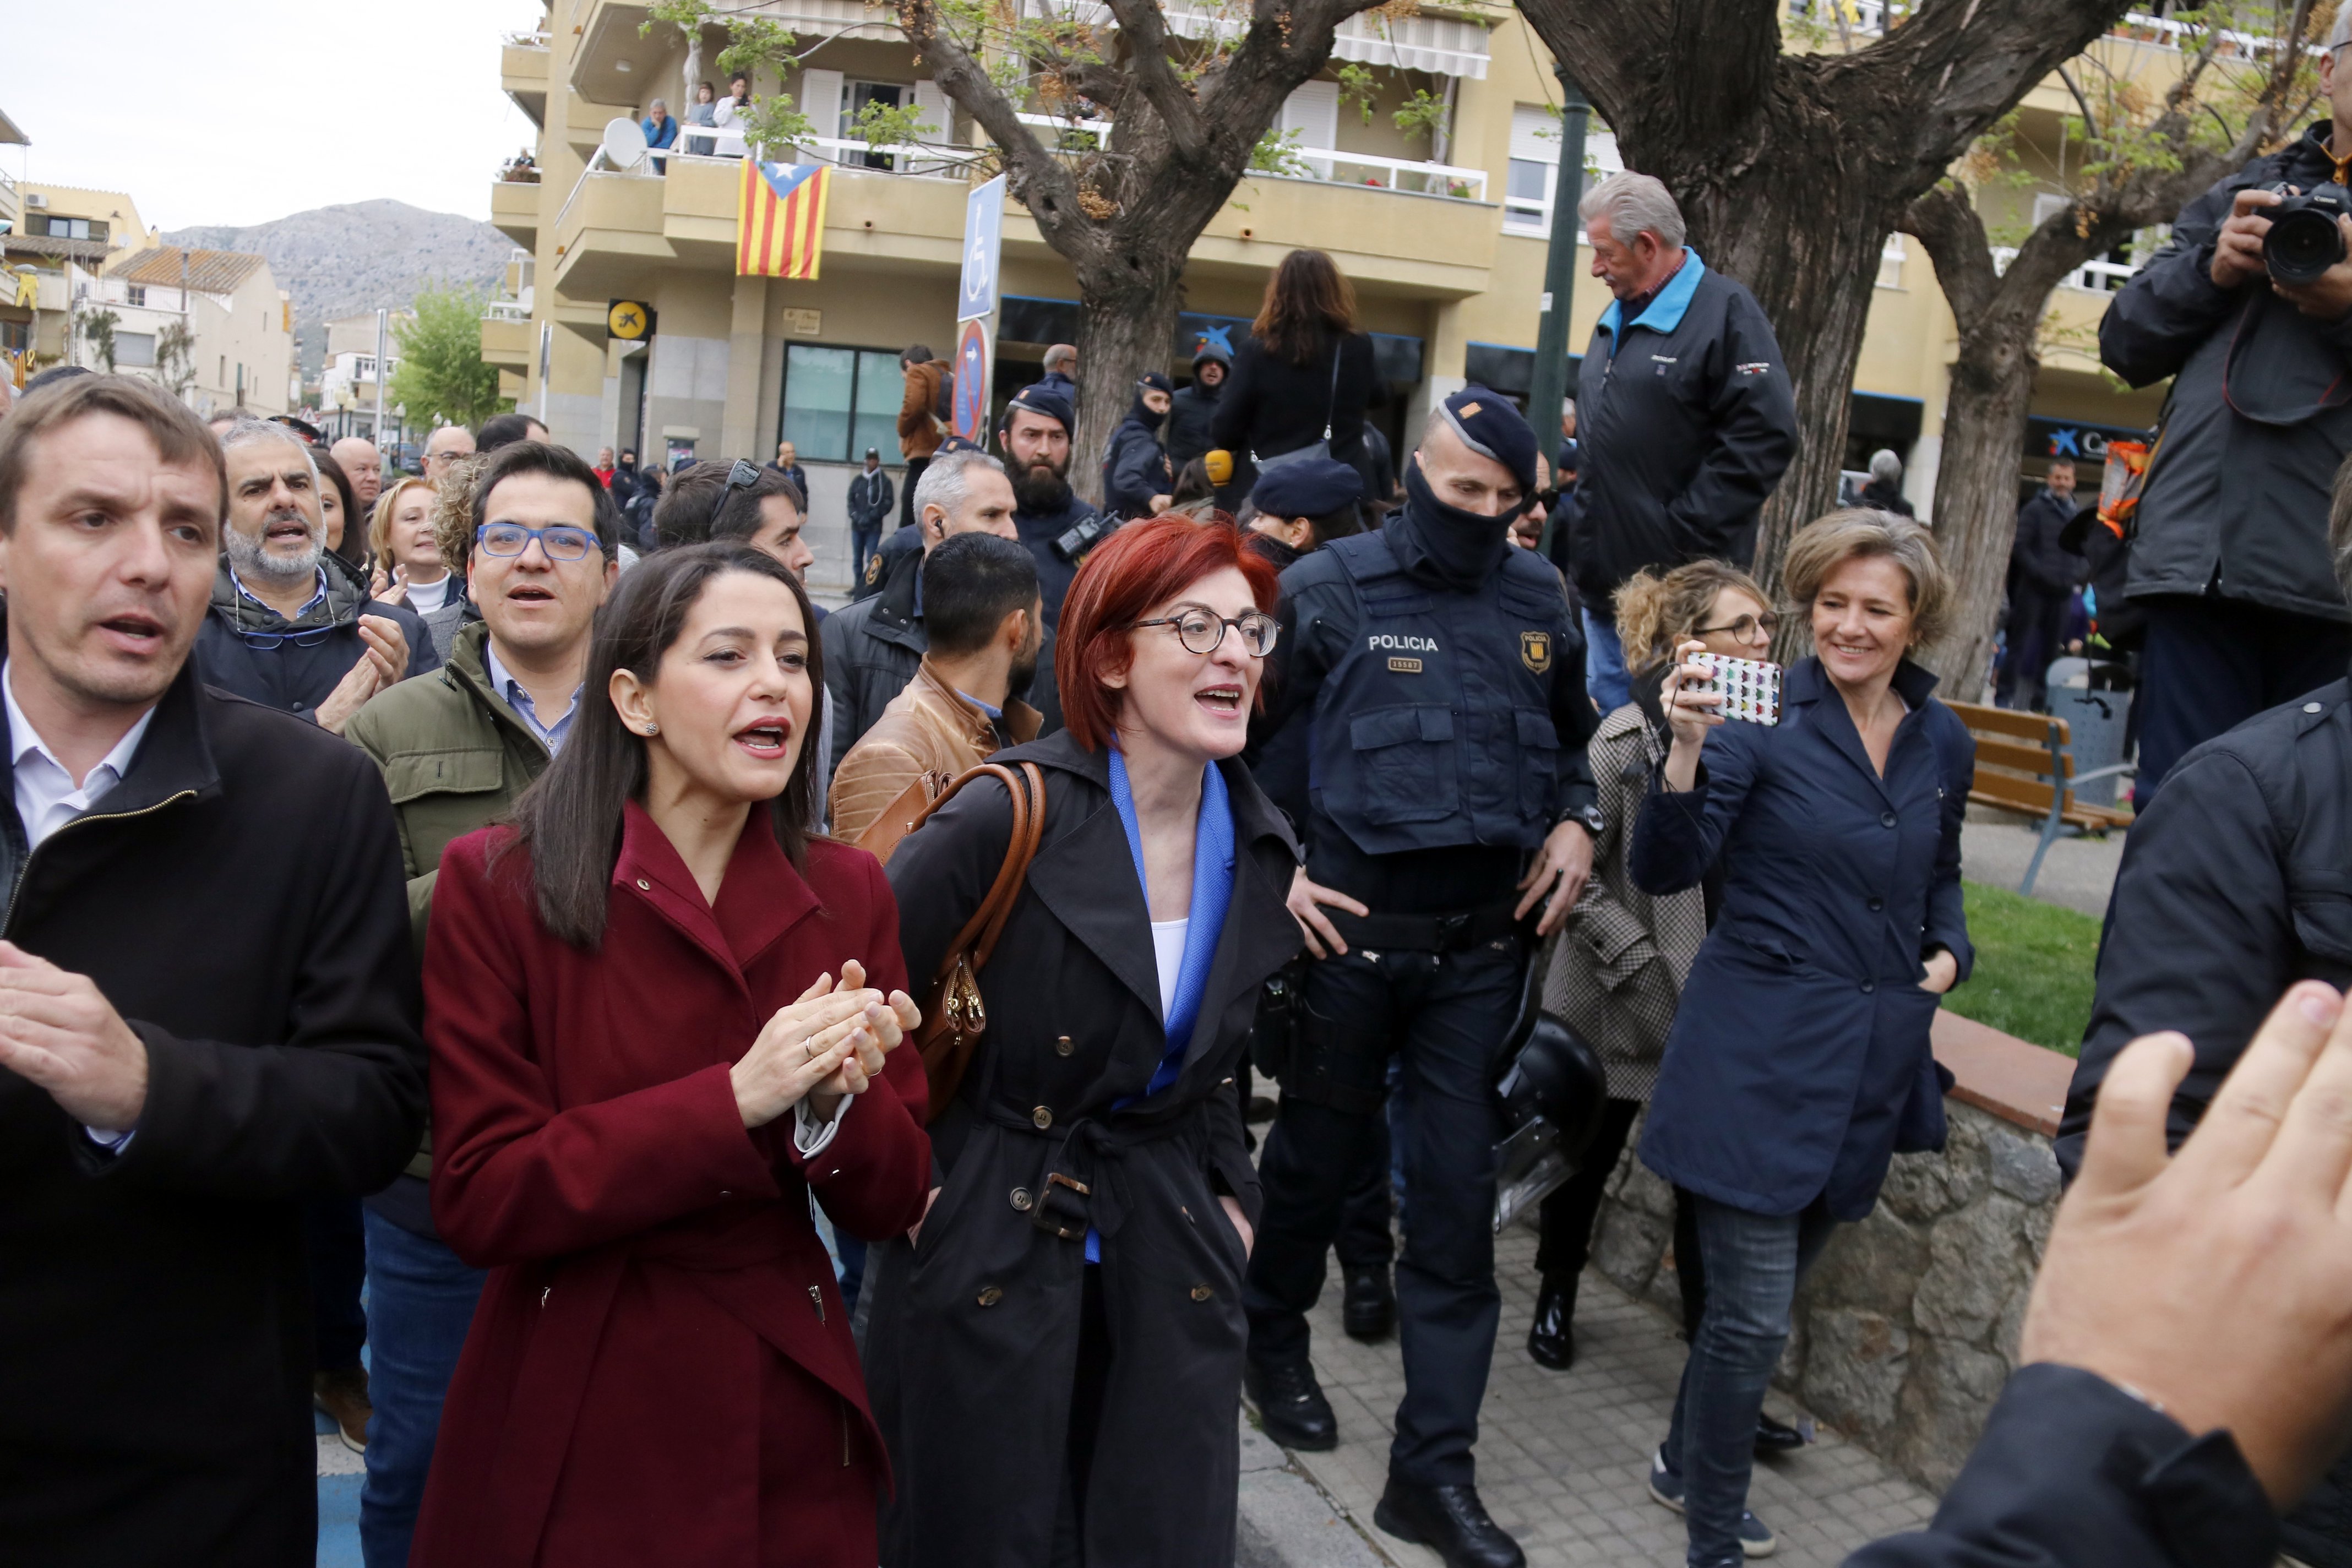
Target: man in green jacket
<point x="456" y="747"/>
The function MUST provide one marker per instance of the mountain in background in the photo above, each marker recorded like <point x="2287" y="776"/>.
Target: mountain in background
<point x="342" y="260"/>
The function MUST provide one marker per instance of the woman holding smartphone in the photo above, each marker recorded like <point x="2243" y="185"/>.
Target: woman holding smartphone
<point x="1057" y="1357"/>
<point x="1798" y="1060"/>
<point x="1616" y="969"/>
<point x="663" y="1018"/>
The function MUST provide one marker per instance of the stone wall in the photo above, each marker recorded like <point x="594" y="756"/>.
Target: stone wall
<point x="1907" y="1327"/>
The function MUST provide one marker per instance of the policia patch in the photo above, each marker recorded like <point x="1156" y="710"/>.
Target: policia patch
<point x="1535" y="650"/>
<point x="873" y="568"/>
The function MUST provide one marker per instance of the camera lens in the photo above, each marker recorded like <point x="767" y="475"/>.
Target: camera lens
<point x="2302" y="245"/>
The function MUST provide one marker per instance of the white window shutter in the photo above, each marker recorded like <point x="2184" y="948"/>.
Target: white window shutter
<point x="1535" y="134"/>
<point x="1314" y="112"/>
<point x="934" y="113"/>
<point x="820" y="99"/>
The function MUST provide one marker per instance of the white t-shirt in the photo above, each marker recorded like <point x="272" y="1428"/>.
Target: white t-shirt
<point x="1167" y="949"/>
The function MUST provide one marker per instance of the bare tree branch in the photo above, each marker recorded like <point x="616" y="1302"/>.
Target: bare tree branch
<point x="1146" y="31"/>
<point x="1037" y="179"/>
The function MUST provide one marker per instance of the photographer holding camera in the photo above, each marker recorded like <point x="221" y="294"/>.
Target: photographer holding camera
<point x="2249" y="308"/>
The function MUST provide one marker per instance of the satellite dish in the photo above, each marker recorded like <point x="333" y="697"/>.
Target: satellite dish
<point x="625" y="143"/>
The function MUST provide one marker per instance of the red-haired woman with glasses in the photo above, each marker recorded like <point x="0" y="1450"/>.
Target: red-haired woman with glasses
<point x="1055" y="1356"/>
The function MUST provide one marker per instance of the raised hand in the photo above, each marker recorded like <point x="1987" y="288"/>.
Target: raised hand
<point x="799" y="1049"/>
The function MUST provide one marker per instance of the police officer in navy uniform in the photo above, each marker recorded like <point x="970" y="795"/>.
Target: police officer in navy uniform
<point x="1449" y="796"/>
<point x="1057" y="523"/>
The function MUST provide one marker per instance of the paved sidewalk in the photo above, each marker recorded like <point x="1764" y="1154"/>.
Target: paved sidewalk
<point x="2077" y="873"/>
<point x="1562" y="1456"/>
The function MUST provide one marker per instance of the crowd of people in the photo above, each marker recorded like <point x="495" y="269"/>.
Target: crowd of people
<point x="782" y="1081"/>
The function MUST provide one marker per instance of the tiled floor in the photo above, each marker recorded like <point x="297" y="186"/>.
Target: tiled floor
<point x="1562" y="1456"/>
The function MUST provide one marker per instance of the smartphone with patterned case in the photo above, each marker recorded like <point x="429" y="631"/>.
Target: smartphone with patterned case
<point x="1750" y="688"/>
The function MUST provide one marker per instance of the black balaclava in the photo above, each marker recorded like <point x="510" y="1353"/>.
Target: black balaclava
<point x="1455" y="548"/>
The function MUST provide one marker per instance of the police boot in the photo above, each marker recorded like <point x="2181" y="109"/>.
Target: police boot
<point x="1552" y="1340"/>
<point x="1450" y="1521"/>
<point x="1291" y="1403"/>
<point x="1367" y="1310"/>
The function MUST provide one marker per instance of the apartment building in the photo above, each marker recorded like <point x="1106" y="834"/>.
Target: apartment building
<point x="57" y="229"/>
<point x="1443" y="230"/>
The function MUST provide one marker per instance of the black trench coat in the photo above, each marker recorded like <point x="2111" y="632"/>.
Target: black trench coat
<point x="973" y="1340"/>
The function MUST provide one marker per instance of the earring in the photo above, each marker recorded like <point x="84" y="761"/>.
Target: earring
<point x="653" y="729"/>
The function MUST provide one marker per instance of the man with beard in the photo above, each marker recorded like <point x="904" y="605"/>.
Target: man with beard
<point x="207" y="1015"/>
<point x="287" y="630"/>
<point x="982" y="615"/>
<point x="1440" y="670"/>
<point x="873" y="646"/>
<point x="1057" y="527"/>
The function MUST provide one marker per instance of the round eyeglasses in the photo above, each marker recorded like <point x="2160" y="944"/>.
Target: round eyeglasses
<point x="1745" y="627"/>
<point x="1204" y="632"/>
<point x="562" y="542"/>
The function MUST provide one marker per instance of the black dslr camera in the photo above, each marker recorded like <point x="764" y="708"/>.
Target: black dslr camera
<point x="2305" y="241"/>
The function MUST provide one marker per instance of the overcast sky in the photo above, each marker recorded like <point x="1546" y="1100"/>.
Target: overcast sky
<point x="243" y="112"/>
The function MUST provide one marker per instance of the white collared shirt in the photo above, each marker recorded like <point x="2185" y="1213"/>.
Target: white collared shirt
<point x="47" y="796"/>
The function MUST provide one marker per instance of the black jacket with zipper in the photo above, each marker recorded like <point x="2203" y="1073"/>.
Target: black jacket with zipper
<point x="1686" y="429"/>
<point x="238" y="900"/>
<point x="296" y="675"/>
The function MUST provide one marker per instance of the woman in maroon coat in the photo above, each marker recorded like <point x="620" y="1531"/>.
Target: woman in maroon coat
<point x="642" y="1065"/>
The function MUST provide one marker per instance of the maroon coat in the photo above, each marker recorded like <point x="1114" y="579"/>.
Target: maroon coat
<point x="660" y="1370"/>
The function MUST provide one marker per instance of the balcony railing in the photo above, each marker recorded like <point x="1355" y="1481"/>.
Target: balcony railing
<point x="1867" y="18"/>
<point x="2098" y="276"/>
<point x="525" y="41"/>
<point x="507" y="311"/>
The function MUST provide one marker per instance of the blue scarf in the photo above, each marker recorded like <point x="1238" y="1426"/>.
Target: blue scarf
<point x="1213" y="891"/>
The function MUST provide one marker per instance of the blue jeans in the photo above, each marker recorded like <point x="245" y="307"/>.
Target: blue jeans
<point x="1753" y="1262"/>
<point x="420" y="1303"/>
<point x="863" y="542"/>
<point x="1604" y="664"/>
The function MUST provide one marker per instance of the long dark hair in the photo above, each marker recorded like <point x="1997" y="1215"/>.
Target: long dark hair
<point x="1307" y="300"/>
<point x="570" y="819"/>
<point x="354" y="547"/>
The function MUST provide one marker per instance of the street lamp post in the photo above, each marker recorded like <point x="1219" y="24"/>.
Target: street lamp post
<point x="1550" y="381"/>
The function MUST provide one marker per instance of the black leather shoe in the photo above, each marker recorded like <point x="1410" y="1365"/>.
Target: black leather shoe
<point x="1776" y="1436"/>
<point x="1291" y="1403"/>
<point x="1368" y="1311"/>
<point x="1552" y="1337"/>
<point x="1450" y="1521"/>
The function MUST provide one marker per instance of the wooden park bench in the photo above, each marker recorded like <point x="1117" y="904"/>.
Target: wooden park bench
<point x="2025" y="763"/>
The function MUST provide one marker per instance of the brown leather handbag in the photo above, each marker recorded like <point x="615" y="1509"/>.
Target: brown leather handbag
<point x="954" y="1017"/>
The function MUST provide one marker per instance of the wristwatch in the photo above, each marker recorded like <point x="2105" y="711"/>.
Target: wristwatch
<point x="1587" y="818"/>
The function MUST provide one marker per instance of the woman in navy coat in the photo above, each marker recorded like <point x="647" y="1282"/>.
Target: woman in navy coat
<point x="1798" y="1061"/>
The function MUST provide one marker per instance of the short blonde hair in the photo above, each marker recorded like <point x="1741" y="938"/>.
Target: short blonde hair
<point x="1822" y="546"/>
<point x="1657" y="614"/>
<point x="379" y="528"/>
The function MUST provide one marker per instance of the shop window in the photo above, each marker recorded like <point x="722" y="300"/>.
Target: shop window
<point x="839" y="401"/>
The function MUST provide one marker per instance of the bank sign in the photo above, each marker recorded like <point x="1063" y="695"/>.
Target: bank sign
<point x="2074" y="440"/>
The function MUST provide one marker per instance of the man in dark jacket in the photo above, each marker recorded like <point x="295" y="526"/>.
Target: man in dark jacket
<point x="289" y="628"/>
<point x="2230" y="556"/>
<point x="873" y="648"/>
<point x="788" y="463"/>
<point x="1190" y="411"/>
<point x="1685" y="411"/>
<point x="1056" y="525"/>
<point x="212" y="1016"/>
<point x="456" y="749"/>
<point x="2231" y="889"/>
<point x="1137" y="477"/>
<point x="2043" y="576"/>
<point x="870" y="501"/>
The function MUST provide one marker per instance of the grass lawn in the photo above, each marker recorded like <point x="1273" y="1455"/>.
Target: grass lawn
<point x="2033" y="975"/>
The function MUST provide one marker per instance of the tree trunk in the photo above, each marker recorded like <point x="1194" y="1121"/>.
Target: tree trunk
<point x="1128" y="328"/>
<point x="1976" y="493"/>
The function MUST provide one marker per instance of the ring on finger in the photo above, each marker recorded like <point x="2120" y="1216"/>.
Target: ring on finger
<point x="809" y="1045"/>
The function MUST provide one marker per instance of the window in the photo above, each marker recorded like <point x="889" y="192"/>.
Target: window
<point x="135" y="294"/>
<point x="861" y="93"/>
<point x="1528" y="184"/>
<point x="66" y="227"/>
<point x="838" y="401"/>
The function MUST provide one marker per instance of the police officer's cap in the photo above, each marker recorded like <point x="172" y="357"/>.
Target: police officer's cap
<point x="1051" y="402"/>
<point x="1311" y="486"/>
<point x="1490" y="427"/>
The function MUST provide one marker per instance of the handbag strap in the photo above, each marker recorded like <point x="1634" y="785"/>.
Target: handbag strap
<point x="1027" y="791"/>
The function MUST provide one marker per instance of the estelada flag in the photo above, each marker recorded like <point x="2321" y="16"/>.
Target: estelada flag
<point x="779" y="219"/>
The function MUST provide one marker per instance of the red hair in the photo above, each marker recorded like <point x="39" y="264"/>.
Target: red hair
<point x="1139" y="566"/>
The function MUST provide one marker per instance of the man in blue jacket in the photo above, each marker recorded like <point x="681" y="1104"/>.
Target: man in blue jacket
<point x="1055" y="521"/>
<point x="1684" y="410"/>
<point x="1136" y="478"/>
